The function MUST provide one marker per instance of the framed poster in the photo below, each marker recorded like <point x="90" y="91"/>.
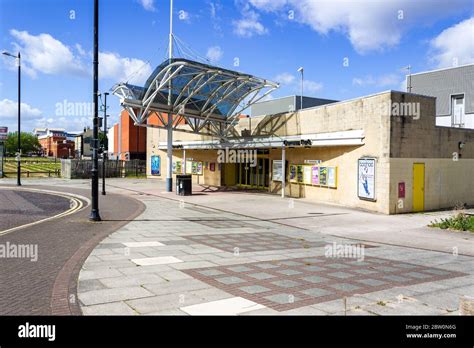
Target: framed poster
<point x="299" y="173"/>
<point x="199" y="168"/>
<point x="194" y="167"/>
<point x="155" y="165"/>
<point x="293" y="173"/>
<point x="366" y="178"/>
<point x="323" y="176"/>
<point x="307" y="175"/>
<point x="189" y="167"/>
<point x="179" y="169"/>
<point x="315" y="175"/>
<point x="212" y="167"/>
<point x="277" y="170"/>
<point x="332" y="177"/>
<point x="173" y="166"/>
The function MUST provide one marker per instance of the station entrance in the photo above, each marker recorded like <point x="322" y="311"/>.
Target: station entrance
<point x="254" y="175"/>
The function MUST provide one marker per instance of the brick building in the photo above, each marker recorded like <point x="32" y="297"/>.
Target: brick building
<point x="126" y="141"/>
<point x="55" y="143"/>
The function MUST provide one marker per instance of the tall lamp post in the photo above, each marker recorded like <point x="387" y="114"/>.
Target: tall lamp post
<point x="95" y="132"/>
<point x="408" y="68"/>
<point x="106" y="145"/>
<point x="18" y="168"/>
<point x="301" y="70"/>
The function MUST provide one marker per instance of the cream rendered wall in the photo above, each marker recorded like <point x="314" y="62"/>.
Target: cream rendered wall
<point x="364" y="113"/>
<point x="448" y="183"/>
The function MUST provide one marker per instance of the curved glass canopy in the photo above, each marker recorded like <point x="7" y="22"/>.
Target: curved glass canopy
<point x="209" y="98"/>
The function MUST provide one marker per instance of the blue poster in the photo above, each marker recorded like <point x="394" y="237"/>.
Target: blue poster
<point x="155" y="165"/>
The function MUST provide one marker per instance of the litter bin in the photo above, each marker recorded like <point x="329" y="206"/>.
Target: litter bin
<point x="183" y="185"/>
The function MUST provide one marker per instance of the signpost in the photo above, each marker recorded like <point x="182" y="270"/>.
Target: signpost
<point x="3" y="137"/>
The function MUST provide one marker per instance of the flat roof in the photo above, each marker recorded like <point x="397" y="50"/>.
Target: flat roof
<point x="442" y="69"/>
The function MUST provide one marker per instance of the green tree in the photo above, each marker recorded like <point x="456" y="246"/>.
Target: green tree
<point x="29" y="143"/>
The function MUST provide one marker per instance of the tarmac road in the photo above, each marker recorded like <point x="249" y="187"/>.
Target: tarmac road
<point x="48" y="285"/>
<point x="18" y="207"/>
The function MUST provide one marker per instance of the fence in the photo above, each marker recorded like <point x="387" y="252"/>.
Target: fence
<point x="31" y="167"/>
<point x="82" y="169"/>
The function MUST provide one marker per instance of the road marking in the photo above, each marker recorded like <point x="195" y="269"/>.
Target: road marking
<point x="229" y="306"/>
<point x="142" y="244"/>
<point x="150" y="261"/>
<point x="75" y="206"/>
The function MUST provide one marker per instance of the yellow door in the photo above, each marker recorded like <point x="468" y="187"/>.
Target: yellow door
<point x="418" y="186"/>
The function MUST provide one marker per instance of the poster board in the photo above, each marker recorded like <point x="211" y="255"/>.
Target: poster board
<point x="199" y="168"/>
<point x="189" y="167"/>
<point x="315" y="175"/>
<point x="307" y="175"/>
<point x="196" y="168"/>
<point x="212" y="167"/>
<point x="179" y="169"/>
<point x="332" y="176"/>
<point x="366" y="178"/>
<point x="155" y="165"/>
<point x="323" y="176"/>
<point x="293" y="173"/>
<point x="299" y="173"/>
<point x="277" y="170"/>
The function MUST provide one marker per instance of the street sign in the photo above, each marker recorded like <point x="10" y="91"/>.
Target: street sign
<point x="3" y="130"/>
<point x="3" y="136"/>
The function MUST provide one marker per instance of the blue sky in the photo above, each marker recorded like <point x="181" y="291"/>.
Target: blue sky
<point x="347" y="48"/>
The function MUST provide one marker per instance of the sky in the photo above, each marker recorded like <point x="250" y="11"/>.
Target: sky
<point x="348" y="48"/>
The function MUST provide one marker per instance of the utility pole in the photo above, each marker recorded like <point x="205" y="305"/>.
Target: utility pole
<point x="18" y="158"/>
<point x="301" y="70"/>
<point x="106" y="145"/>
<point x="95" y="132"/>
<point x="169" y="149"/>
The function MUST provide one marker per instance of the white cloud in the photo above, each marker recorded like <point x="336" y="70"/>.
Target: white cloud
<point x="214" y="54"/>
<point x="285" y="78"/>
<point x="43" y="53"/>
<point x="9" y="111"/>
<point x="249" y="25"/>
<point x="369" y="25"/>
<point x="311" y="86"/>
<point x="121" y="69"/>
<point x="80" y="50"/>
<point x="455" y="45"/>
<point x="379" y="81"/>
<point x="148" y="5"/>
<point x="290" y="80"/>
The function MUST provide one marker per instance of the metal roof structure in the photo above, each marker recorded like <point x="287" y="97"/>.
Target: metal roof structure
<point x="209" y="99"/>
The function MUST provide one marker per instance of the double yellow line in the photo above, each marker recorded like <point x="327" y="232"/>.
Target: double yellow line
<point x="76" y="204"/>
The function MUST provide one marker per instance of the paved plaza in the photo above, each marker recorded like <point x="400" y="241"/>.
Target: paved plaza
<point x="184" y="257"/>
<point x="235" y="253"/>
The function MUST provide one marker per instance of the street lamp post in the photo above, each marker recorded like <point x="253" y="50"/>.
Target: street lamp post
<point x="18" y="168"/>
<point x="106" y="147"/>
<point x="95" y="134"/>
<point x="301" y="70"/>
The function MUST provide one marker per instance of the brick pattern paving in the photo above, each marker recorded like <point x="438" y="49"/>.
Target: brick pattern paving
<point x="293" y="283"/>
<point x="251" y="242"/>
<point x="223" y="223"/>
<point x="258" y="241"/>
